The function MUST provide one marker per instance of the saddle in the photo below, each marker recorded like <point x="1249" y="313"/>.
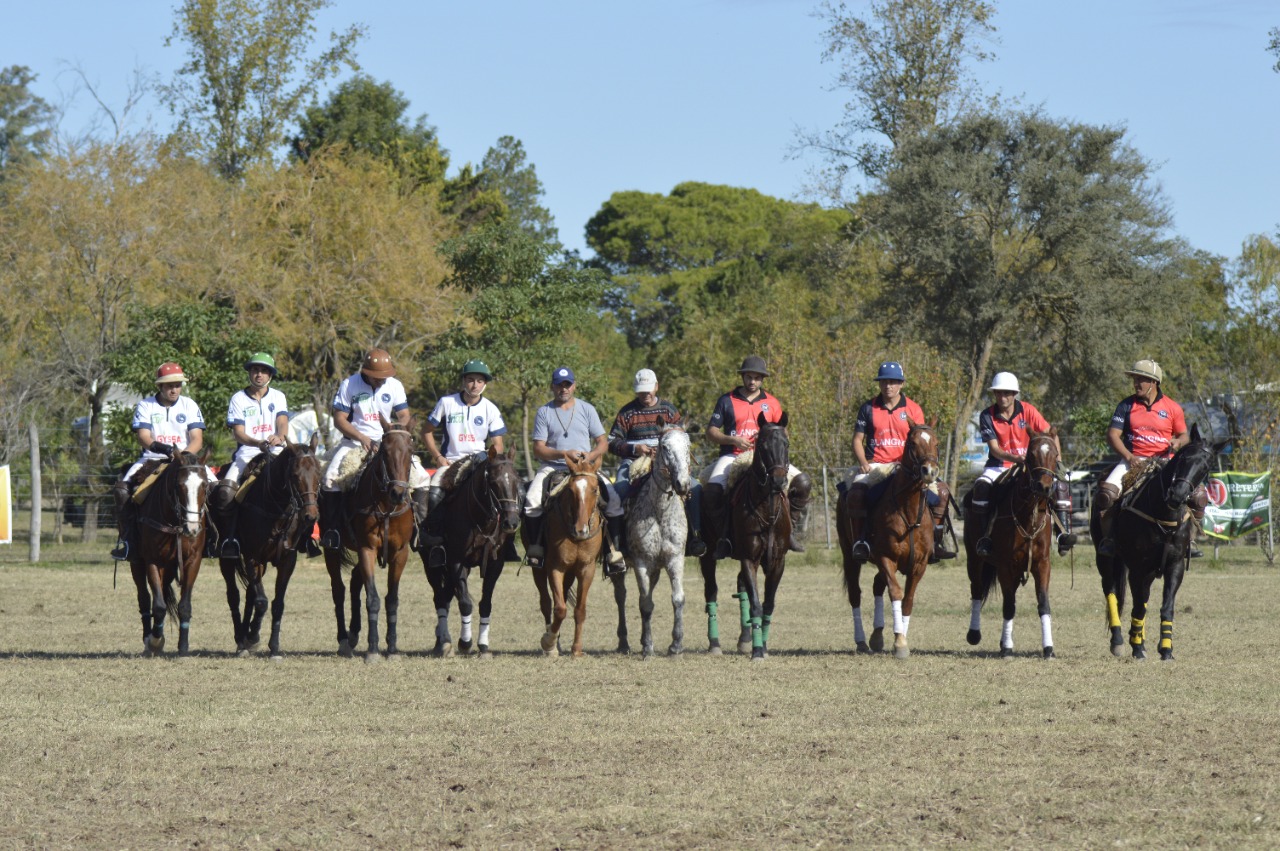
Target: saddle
<point x="554" y="483"/>
<point x="741" y="464"/>
<point x="352" y="466"/>
<point x="151" y="473"/>
<point x="251" y="472"/>
<point x="458" y="472"/>
<point x="1140" y="473"/>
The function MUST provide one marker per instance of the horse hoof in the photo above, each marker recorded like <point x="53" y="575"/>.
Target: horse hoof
<point x="244" y="652"/>
<point x="344" y="650"/>
<point x="900" y="648"/>
<point x="553" y="653"/>
<point x="1048" y="653"/>
<point x="861" y="647"/>
<point x="372" y="658"/>
<point x="715" y="650"/>
<point x="1166" y="655"/>
<point x="877" y="640"/>
<point x="548" y="643"/>
<point x="482" y="652"/>
<point x="757" y="656"/>
<point x="646" y="654"/>
<point x="442" y="650"/>
<point x="464" y="648"/>
<point x="1117" y="650"/>
<point x="623" y="648"/>
<point x="156" y="644"/>
<point x="1139" y="654"/>
<point x="973" y="636"/>
<point x="675" y="650"/>
<point x="277" y="658"/>
<point x="1006" y="652"/>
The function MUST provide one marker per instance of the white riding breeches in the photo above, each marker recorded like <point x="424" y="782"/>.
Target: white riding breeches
<point x="533" y="494"/>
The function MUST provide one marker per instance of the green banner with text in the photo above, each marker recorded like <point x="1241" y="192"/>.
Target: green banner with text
<point x="1239" y="503"/>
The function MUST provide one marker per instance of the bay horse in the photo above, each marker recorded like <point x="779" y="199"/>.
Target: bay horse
<point x="483" y="516"/>
<point x="1152" y="529"/>
<point x="1021" y="537"/>
<point x="276" y="518"/>
<point x="575" y="538"/>
<point x="899" y="532"/>
<point x="760" y="526"/>
<point x="657" y="530"/>
<point x="171" y="531"/>
<point x="378" y="525"/>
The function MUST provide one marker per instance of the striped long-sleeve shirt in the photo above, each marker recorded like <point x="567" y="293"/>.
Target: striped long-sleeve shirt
<point x="637" y="424"/>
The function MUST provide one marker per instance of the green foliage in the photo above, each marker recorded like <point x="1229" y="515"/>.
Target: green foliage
<point x="505" y="168"/>
<point x="1089" y="424"/>
<point x="26" y="120"/>
<point x="247" y="74"/>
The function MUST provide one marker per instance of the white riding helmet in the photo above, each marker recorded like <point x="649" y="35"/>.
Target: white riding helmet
<point x="1005" y="381"/>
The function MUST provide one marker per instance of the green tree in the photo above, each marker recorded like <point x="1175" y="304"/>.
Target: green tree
<point x="904" y="66"/>
<point x="369" y="117"/>
<point x="505" y="168"/>
<point x="1273" y="47"/>
<point x="247" y="74"/>
<point x="26" y="121"/>
<point x="1022" y="242"/>
<point x="522" y="308"/>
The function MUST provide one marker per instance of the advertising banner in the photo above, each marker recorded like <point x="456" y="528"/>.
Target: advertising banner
<point x="6" y="507"/>
<point x="1239" y="503"/>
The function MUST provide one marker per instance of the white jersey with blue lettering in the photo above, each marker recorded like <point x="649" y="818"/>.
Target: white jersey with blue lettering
<point x="466" y="427"/>
<point x="362" y="404"/>
<point x="167" y="423"/>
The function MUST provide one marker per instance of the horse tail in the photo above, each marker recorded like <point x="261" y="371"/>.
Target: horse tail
<point x="171" y="597"/>
<point x="246" y="575"/>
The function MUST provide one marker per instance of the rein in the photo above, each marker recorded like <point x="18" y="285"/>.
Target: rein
<point x="489" y="529"/>
<point x="596" y="517"/>
<point x="288" y="511"/>
<point x="379" y="484"/>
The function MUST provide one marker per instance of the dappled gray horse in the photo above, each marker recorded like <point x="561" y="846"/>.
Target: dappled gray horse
<point x="657" y="529"/>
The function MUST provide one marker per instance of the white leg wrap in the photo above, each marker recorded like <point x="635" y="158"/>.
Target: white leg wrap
<point x="484" y="632"/>
<point x="1006" y="635"/>
<point x="975" y="614"/>
<point x="465" y="633"/>
<point x="1046" y="631"/>
<point x="898" y="628"/>
<point x="859" y="634"/>
<point x="906" y="623"/>
<point x="878" y="616"/>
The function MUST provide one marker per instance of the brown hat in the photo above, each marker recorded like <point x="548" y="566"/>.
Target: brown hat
<point x="377" y="364"/>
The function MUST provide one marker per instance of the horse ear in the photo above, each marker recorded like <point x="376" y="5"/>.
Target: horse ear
<point x="382" y="421"/>
<point x="661" y="421"/>
<point x="511" y="453"/>
<point x="1195" y="432"/>
<point x="932" y="421"/>
<point x="493" y="451"/>
<point x="204" y="453"/>
<point x="782" y="420"/>
<point x="315" y="440"/>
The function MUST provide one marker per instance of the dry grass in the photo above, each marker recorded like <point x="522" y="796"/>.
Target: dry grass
<point x="815" y="746"/>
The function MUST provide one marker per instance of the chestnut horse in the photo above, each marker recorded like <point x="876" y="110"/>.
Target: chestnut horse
<point x="483" y="515"/>
<point x="379" y="524"/>
<point x="1152" y="531"/>
<point x="1021" y="536"/>
<point x="900" y="533"/>
<point x="171" y="530"/>
<point x="276" y="517"/>
<point x="575" y="536"/>
<point x="760" y="527"/>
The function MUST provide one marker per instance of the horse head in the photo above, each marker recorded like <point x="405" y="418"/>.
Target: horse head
<point x="304" y="476"/>
<point x="395" y="454"/>
<point x="582" y="492"/>
<point x="1187" y="470"/>
<point x="1041" y="462"/>
<point x="189" y="479"/>
<point x="920" y="457"/>
<point x="503" y="486"/>
<point x="772" y="453"/>
<point x="672" y="461"/>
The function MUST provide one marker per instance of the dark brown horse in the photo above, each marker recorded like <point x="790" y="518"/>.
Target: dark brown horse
<point x="171" y="530"/>
<point x="483" y="513"/>
<point x="378" y="525"/>
<point x="575" y="537"/>
<point x="760" y="526"/>
<point x="276" y="518"/>
<point x="1021" y="536"/>
<point x="900" y="534"/>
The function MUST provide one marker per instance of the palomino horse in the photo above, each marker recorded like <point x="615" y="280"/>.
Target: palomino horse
<point x="1021" y="536"/>
<point x="379" y="524"/>
<point x="483" y="515"/>
<point x="575" y="536"/>
<point x="657" y="529"/>
<point x="1152" y="531"/>
<point x="276" y="517"/>
<point x="901" y="538"/>
<point x="171" y="530"/>
<point x="760" y="526"/>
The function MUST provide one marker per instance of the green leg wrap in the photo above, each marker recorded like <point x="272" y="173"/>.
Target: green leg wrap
<point x="757" y="637"/>
<point x="768" y="619"/>
<point x="713" y="622"/>
<point x="744" y="603"/>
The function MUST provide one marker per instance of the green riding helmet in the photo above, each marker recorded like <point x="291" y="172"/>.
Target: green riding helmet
<point x="262" y="359"/>
<point x="479" y="367"/>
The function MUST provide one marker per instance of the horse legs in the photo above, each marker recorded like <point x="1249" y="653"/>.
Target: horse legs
<point x="466" y="606"/>
<point x="184" y="608"/>
<point x="900" y="619"/>
<point x="253" y="625"/>
<point x="644" y="585"/>
<point x="707" y="562"/>
<point x="355" y="623"/>
<point x="487" y="583"/>
<point x="620" y="598"/>
<point x="442" y="596"/>
<point x="1009" y="592"/>
<point x="233" y="600"/>
<point x="1172" y="582"/>
<point x="1111" y="572"/>
<point x="752" y="613"/>
<point x="878" y="587"/>
<point x="284" y="572"/>
<point x="554" y="609"/>
<point x="333" y="562"/>
<point x="675" y="572"/>
<point x="900" y="647"/>
<point x="395" y="570"/>
<point x="372" y="603"/>
<point x="1042" y="607"/>
<point x="1140" y="588"/>
<point x="580" y="610"/>
<point x="772" y="577"/>
<point x="144" y="606"/>
<point x="159" y="609"/>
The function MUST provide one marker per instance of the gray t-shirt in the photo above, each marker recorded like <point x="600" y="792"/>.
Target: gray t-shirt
<point x="576" y="428"/>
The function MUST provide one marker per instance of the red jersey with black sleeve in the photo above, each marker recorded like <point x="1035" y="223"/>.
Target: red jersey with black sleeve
<point x="884" y="430"/>
<point x="1147" y="430"/>
<point x="735" y="414"/>
<point x="1013" y="435"/>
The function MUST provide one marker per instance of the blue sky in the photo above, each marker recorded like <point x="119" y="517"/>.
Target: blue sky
<point x="610" y="96"/>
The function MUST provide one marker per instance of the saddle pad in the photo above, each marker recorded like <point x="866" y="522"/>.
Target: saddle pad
<point x="879" y="473"/>
<point x="1139" y="472"/>
<point x="349" y="470"/>
<point x="640" y="466"/>
<point x="457" y="472"/>
<point x="243" y="490"/>
<point x="140" y="493"/>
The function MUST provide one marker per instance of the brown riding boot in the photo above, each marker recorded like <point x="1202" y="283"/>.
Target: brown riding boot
<point x="798" y="497"/>
<point x="939" y="513"/>
<point x="978" y="508"/>
<point x="1103" y="502"/>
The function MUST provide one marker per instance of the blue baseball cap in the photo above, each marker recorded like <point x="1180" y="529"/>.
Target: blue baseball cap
<point x="890" y="370"/>
<point x="561" y="375"/>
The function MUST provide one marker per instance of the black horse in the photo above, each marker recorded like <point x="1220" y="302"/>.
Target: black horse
<point x="276" y="517"/>
<point x="483" y="514"/>
<point x="1152" y="529"/>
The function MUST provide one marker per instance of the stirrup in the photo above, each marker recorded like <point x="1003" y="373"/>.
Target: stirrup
<point x="983" y="547"/>
<point x="331" y="540"/>
<point x="614" y="564"/>
<point x="1066" y="541"/>
<point x="121" y="551"/>
<point x="724" y="549"/>
<point x="861" y="550"/>
<point x="313" y="548"/>
<point x="230" y="549"/>
<point x="695" y="546"/>
<point x="436" y="556"/>
<point x="1106" y="547"/>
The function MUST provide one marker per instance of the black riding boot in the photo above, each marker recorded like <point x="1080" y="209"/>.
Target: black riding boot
<point x="535" y="551"/>
<point x="693" y="544"/>
<point x="939" y="513"/>
<point x="978" y="508"/>
<point x="224" y="508"/>
<point x="331" y="520"/>
<point x="614" y="563"/>
<point x="714" y="520"/>
<point x="1062" y="505"/>
<point x="798" y="497"/>
<point x="124" y="520"/>
<point x="855" y="499"/>
<point x="430" y="533"/>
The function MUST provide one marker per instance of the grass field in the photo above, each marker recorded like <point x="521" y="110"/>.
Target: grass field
<point x="813" y="747"/>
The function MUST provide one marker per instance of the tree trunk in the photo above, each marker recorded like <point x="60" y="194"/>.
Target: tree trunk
<point x="94" y="463"/>
<point x="37" y="499"/>
<point x="969" y="402"/>
<point x="524" y="428"/>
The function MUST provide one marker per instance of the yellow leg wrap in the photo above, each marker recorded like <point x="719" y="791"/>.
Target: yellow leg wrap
<point x="1137" y="631"/>
<point x="1166" y="635"/>
<point x="1113" y="611"/>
